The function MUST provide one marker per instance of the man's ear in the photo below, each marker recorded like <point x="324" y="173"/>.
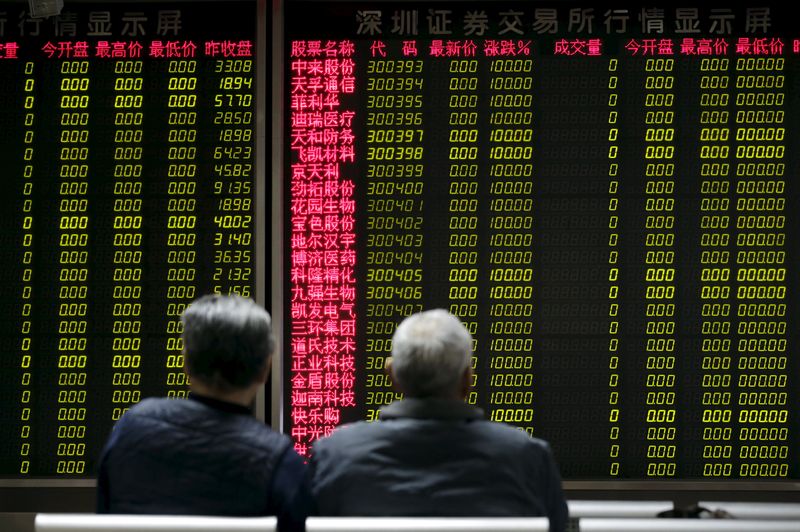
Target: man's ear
<point x="388" y="367"/>
<point x="264" y="372"/>
<point x="185" y="370"/>
<point x="466" y="382"/>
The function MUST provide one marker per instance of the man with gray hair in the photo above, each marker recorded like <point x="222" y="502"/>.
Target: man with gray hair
<point x="208" y="455"/>
<point x="431" y="454"/>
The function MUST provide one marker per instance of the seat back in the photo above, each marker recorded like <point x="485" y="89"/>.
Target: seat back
<point x="756" y="510"/>
<point x="151" y="523"/>
<point x="599" y="508"/>
<point x="591" y="524"/>
<point x="426" y="524"/>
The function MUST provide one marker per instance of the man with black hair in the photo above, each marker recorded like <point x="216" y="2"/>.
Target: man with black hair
<point x="208" y="455"/>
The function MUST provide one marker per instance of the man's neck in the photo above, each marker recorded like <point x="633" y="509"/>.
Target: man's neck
<point x="243" y="397"/>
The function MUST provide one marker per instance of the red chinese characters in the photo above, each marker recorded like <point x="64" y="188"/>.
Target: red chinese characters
<point x="578" y="47"/>
<point x="322" y="246"/>
<point x="136" y="49"/>
<point x="9" y="50"/>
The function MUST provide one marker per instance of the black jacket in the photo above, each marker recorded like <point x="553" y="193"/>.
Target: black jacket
<point x="436" y="458"/>
<point x="200" y="457"/>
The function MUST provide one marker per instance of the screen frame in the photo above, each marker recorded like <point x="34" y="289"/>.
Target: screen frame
<point x="678" y="490"/>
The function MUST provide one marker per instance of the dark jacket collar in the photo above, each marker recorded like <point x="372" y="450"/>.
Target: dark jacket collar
<point x="217" y="404"/>
<point x="431" y="408"/>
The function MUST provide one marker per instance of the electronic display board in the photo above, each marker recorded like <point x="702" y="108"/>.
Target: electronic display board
<point x="127" y="144"/>
<point x="604" y="195"/>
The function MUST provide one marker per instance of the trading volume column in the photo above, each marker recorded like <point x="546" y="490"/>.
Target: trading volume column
<point x="576" y="250"/>
<point x="615" y="285"/>
<point x="23" y="418"/>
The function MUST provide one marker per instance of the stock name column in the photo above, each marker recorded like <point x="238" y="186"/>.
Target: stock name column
<point x="322" y="216"/>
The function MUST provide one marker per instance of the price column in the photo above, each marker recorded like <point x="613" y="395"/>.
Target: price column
<point x="394" y="144"/>
<point x="232" y="85"/>
<point x="511" y="170"/>
<point x="73" y="259"/>
<point x="181" y="216"/>
<point x="762" y="350"/>
<point x="659" y="279"/>
<point x="127" y="235"/>
<point x="715" y="271"/>
<point x="463" y="197"/>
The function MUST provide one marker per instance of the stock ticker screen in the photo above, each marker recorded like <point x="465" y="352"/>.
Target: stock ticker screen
<point x="127" y="144"/>
<point x="606" y="197"/>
